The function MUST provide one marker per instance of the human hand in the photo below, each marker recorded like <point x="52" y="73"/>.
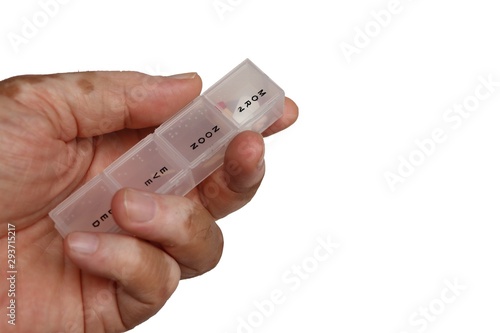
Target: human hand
<point x="59" y="131"/>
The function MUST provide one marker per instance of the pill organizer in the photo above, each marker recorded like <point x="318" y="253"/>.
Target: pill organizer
<point x="181" y="152"/>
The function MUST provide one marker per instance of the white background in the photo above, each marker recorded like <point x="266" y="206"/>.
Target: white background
<point x="325" y="175"/>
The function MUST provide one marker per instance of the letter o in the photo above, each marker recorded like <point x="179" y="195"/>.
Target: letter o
<point x="138" y="94"/>
<point x="437" y="306"/>
<point x="106" y="125"/>
<point x="104" y="296"/>
<point x="373" y="25"/>
<point x="471" y="106"/>
<point x="413" y="158"/>
<point x="310" y="264"/>
<point x="211" y="190"/>
<point x="258" y="317"/>
<point x="44" y="19"/>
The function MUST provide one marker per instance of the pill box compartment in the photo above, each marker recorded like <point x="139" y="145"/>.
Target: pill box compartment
<point x="248" y="97"/>
<point x="88" y="210"/>
<point x="199" y="134"/>
<point x="149" y="166"/>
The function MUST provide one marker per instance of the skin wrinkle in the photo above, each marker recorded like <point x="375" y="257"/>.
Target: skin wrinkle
<point x="125" y="106"/>
<point x="65" y="128"/>
<point x="20" y="89"/>
<point x="194" y="215"/>
<point x="128" y="102"/>
<point x="100" y="122"/>
<point x="38" y="100"/>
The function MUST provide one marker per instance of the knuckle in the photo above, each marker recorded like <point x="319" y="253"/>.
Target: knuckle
<point x="198" y="225"/>
<point x="189" y="221"/>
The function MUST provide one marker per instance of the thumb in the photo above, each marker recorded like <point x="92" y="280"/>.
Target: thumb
<point x="87" y="104"/>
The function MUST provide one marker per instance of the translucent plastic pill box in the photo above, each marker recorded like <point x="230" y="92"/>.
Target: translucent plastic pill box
<point x="181" y="152"/>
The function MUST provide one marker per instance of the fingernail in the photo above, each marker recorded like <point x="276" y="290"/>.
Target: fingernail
<point x="140" y="207"/>
<point x="84" y="243"/>
<point x="184" y="76"/>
